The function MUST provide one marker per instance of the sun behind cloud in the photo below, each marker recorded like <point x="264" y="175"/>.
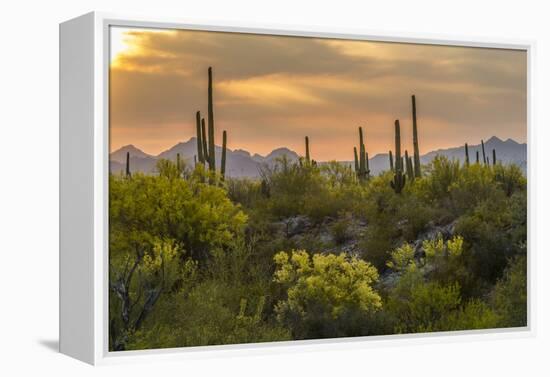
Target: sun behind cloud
<point x="271" y="91"/>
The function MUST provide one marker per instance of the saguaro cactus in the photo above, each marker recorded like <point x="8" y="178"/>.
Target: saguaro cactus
<point x="308" y="157"/>
<point x="417" y="171"/>
<point x="399" y="178"/>
<point x="483" y="150"/>
<point x="356" y="159"/>
<point x="477" y="157"/>
<point x="409" y="166"/>
<point x="494" y="157"/>
<point x="391" y="161"/>
<point x="128" y="173"/>
<point x="224" y="152"/>
<point x="362" y="167"/>
<point x="204" y="142"/>
<point x="211" y="143"/>
<point x="467" y="160"/>
<point x="200" y="153"/>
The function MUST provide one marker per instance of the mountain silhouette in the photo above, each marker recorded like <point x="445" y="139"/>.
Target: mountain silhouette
<point x="240" y="163"/>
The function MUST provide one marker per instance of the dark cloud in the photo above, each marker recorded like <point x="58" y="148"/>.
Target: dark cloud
<point x="272" y="90"/>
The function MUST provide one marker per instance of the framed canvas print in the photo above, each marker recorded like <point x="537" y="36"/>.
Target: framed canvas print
<point x="229" y="189"/>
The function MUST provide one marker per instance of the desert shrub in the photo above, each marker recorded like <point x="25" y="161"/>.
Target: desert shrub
<point x="244" y="191"/>
<point x="338" y="175"/>
<point x="509" y="296"/>
<point x="209" y="315"/>
<point x="419" y="306"/>
<point x="475" y="315"/>
<point x="441" y="174"/>
<point x="340" y="231"/>
<point x="510" y="178"/>
<point x="401" y="258"/>
<point x="492" y="234"/>
<point x="198" y="216"/>
<point x="474" y="185"/>
<point x="138" y="281"/>
<point x="326" y="295"/>
<point x="157" y="223"/>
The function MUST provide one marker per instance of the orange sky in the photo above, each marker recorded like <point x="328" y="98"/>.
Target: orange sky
<point x="271" y="91"/>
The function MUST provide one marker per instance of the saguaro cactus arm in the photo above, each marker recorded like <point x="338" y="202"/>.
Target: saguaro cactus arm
<point x="204" y="142"/>
<point x="199" y="137"/>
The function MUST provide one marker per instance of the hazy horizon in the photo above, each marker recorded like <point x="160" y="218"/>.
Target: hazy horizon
<point x="272" y="91"/>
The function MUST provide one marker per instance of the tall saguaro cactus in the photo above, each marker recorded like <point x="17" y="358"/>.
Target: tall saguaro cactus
<point x="206" y="146"/>
<point x="224" y="152"/>
<point x="399" y="178"/>
<point x="362" y="166"/>
<point x="211" y="144"/>
<point x="417" y="171"/>
<point x="128" y="173"/>
<point x="356" y="159"/>
<point x="308" y="156"/>
<point x="467" y="154"/>
<point x="391" y="161"/>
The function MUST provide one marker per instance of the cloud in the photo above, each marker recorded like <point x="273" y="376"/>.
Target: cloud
<point x="271" y="91"/>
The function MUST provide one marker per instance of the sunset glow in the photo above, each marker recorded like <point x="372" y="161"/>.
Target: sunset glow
<point x="271" y="91"/>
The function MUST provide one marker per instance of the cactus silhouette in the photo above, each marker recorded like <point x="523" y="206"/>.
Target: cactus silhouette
<point x="200" y="151"/>
<point x="128" y="173"/>
<point x="399" y="179"/>
<point x="494" y="157"/>
<point x="483" y="150"/>
<point x="391" y="161"/>
<point x="204" y="141"/>
<point x="224" y="153"/>
<point x="206" y="146"/>
<point x="308" y="157"/>
<point x="409" y="166"/>
<point x="356" y="159"/>
<point x="477" y="157"/>
<point x="417" y="171"/>
<point x="211" y="143"/>
<point x="362" y="165"/>
<point x="467" y="154"/>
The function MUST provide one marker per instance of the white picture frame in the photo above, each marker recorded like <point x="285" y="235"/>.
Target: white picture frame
<point x="84" y="59"/>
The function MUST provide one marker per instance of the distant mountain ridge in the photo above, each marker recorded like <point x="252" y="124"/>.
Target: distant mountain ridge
<point x="240" y="163"/>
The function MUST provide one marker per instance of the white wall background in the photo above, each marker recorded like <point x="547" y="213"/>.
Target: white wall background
<point x="29" y="183"/>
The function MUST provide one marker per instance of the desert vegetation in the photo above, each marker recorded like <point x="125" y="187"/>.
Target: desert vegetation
<point x="314" y="250"/>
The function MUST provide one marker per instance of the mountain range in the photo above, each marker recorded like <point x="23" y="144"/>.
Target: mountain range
<point x="241" y="163"/>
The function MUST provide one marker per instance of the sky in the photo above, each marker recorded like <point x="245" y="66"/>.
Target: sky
<point x="272" y="91"/>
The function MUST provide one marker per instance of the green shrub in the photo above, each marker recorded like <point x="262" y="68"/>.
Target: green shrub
<point x="324" y="292"/>
<point x="509" y="296"/>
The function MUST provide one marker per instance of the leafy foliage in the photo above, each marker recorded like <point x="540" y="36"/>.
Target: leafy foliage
<point x="322" y="290"/>
<point x="196" y="259"/>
